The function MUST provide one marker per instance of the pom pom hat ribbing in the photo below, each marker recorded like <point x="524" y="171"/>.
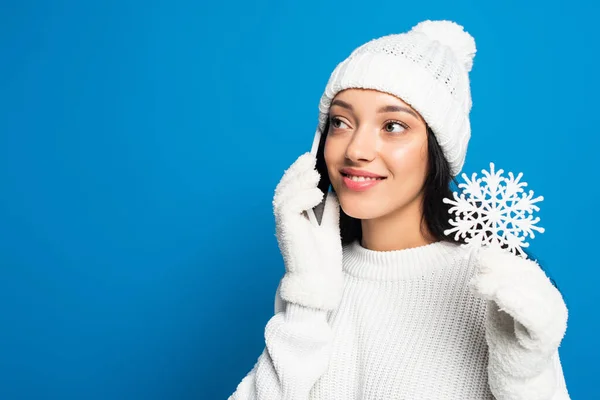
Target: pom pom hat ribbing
<point x="427" y="67"/>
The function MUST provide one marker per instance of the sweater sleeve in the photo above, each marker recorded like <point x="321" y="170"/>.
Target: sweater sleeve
<point x="297" y="351"/>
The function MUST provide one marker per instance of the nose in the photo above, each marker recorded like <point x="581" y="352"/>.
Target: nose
<point x="362" y="146"/>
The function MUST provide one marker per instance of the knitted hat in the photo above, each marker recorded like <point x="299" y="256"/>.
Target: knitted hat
<point x="428" y="68"/>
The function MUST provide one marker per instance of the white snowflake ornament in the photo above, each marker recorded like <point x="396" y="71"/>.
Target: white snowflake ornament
<point x="494" y="210"/>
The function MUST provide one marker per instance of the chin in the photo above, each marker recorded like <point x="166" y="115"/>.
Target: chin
<point x="361" y="209"/>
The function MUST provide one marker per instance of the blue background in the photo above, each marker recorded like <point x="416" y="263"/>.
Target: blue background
<point x="140" y="143"/>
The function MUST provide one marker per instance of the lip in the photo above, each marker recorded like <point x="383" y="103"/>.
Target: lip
<point x="363" y="185"/>
<point x="358" y="172"/>
<point x="359" y="186"/>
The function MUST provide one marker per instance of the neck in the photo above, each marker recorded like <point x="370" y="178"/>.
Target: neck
<point x="402" y="229"/>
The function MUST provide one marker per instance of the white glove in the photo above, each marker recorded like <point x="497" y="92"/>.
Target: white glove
<point x="526" y="321"/>
<point x="312" y="253"/>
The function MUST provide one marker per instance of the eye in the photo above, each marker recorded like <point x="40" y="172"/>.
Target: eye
<point x="337" y="123"/>
<point x="395" y="127"/>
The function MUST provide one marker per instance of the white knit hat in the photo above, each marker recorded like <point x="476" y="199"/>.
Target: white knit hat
<point x="428" y="68"/>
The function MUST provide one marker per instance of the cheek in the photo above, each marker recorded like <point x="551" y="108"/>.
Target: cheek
<point x="407" y="161"/>
<point x="332" y="153"/>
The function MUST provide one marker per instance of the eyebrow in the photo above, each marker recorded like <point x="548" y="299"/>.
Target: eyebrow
<point x="398" y="109"/>
<point x="383" y="109"/>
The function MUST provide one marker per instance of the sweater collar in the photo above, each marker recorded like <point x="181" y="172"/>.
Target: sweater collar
<point x="403" y="264"/>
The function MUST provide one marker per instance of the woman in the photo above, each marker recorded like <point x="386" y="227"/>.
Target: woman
<point x="377" y="303"/>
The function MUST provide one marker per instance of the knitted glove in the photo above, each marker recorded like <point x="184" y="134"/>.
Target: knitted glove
<point x="526" y="321"/>
<point x="312" y="253"/>
<point x="298" y="338"/>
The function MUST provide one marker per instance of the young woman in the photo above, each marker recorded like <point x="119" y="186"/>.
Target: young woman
<point x="376" y="301"/>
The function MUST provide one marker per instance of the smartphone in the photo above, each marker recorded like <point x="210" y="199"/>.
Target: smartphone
<point x="318" y="150"/>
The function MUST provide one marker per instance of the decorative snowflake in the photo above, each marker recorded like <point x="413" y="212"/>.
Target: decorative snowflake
<point x="495" y="213"/>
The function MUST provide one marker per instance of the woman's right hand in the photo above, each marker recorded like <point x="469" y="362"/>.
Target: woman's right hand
<point x="298" y="340"/>
<point x="312" y="253"/>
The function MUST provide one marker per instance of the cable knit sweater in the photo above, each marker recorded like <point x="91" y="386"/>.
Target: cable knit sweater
<point x="407" y="327"/>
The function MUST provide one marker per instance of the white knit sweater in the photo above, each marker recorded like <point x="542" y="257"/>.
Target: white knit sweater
<point x="407" y="328"/>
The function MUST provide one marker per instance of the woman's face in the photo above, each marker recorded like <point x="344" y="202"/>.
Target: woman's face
<point x="376" y="153"/>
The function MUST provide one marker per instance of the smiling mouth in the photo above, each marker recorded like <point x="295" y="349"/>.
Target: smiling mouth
<point x="356" y="178"/>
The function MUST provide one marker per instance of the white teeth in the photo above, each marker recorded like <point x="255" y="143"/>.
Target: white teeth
<point x="361" y="178"/>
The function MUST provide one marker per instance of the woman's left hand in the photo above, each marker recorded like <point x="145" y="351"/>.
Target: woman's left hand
<point x="526" y="321"/>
